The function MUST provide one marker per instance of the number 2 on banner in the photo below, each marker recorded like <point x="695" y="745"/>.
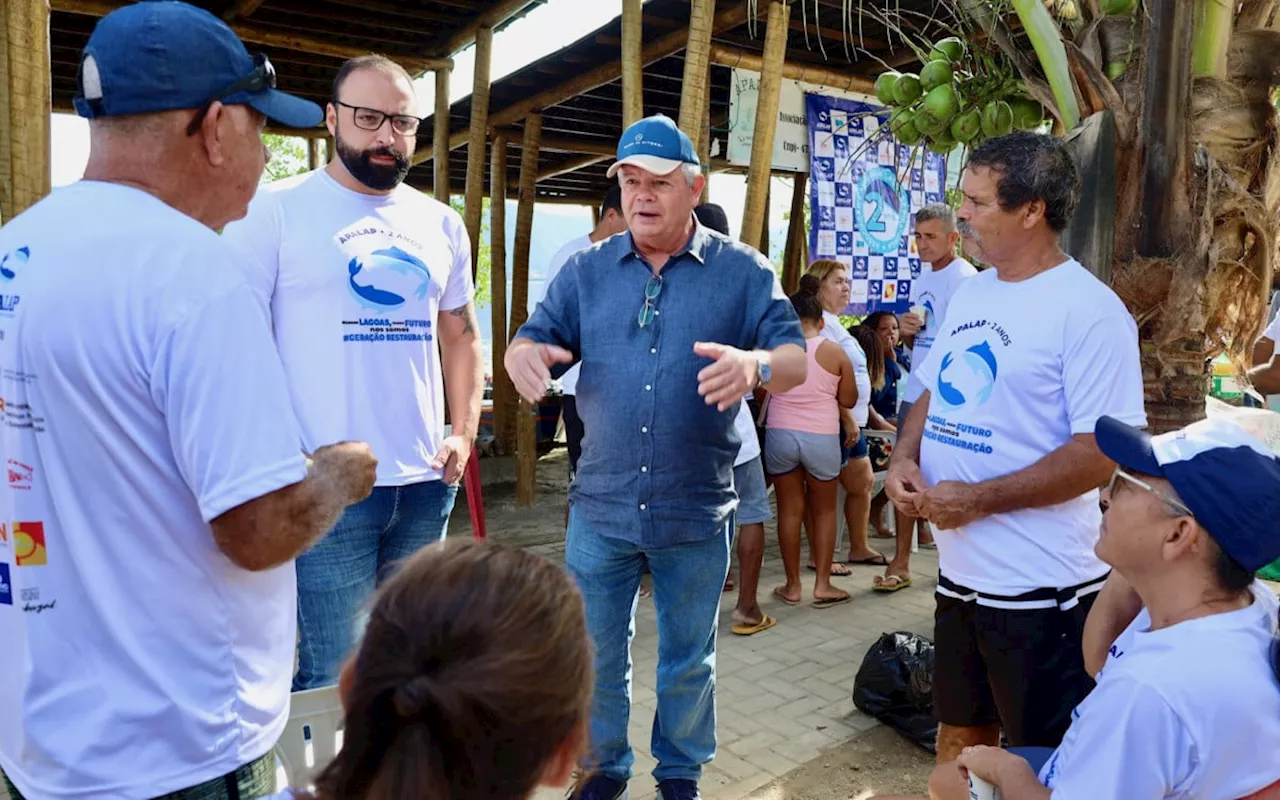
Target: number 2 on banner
<point x="875" y="222"/>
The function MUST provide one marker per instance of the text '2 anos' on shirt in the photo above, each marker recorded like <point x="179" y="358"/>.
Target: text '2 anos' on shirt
<point x="657" y="461"/>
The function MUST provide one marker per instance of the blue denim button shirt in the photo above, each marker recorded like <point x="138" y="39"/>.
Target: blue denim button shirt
<point x="657" y="461"/>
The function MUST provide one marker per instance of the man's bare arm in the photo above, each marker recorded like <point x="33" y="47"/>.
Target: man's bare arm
<point x="1266" y="377"/>
<point x="462" y="363"/>
<point x="1068" y="472"/>
<point x="273" y="529"/>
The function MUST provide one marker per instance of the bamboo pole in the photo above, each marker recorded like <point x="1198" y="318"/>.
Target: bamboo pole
<point x="504" y="427"/>
<point x="313" y="154"/>
<point x="595" y="216"/>
<point x="273" y="37"/>
<point x="775" y="50"/>
<point x="694" y="87"/>
<point x="440" y="166"/>
<point x="526" y="430"/>
<point x="704" y="140"/>
<point x="726" y="56"/>
<point x="476" y="145"/>
<point x="26" y="105"/>
<point x="793" y="261"/>
<point x="593" y="79"/>
<point x="632" y="68"/>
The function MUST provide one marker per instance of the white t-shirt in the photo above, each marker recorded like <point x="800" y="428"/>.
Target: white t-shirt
<point x="1018" y="368"/>
<point x="933" y="290"/>
<point x="834" y="331"/>
<point x="569" y="380"/>
<point x="746" y="428"/>
<point x="1273" y="330"/>
<point x="1190" y="711"/>
<point x="143" y="397"/>
<point x="357" y="283"/>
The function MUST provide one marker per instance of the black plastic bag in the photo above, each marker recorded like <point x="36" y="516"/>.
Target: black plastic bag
<point x="895" y="685"/>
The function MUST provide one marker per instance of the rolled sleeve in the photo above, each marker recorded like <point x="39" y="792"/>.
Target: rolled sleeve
<point x="777" y="323"/>
<point x="556" y="320"/>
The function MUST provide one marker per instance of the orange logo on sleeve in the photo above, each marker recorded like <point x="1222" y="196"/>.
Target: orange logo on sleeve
<point x="28" y="544"/>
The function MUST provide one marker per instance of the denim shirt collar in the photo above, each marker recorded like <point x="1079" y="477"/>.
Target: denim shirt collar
<point x="696" y="247"/>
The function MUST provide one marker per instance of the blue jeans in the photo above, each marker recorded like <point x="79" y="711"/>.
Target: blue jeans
<point x="337" y="576"/>
<point x="687" y="584"/>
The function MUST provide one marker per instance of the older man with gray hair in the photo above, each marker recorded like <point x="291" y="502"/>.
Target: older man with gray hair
<point x="936" y="240"/>
<point x="658" y="393"/>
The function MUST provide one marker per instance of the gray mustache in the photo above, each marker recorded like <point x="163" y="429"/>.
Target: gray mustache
<point x="966" y="230"/>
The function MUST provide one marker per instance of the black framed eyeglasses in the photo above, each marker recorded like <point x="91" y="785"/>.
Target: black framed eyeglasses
<point x="261" y="79"/>
<point x="650" y="308"/>
<point x="371" y="119"/>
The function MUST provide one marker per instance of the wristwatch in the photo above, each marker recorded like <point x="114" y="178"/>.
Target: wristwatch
<point x="764" y="370"/>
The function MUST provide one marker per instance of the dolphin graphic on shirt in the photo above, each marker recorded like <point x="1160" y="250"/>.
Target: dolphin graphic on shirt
<point x="391" y="259"/>
<point x="13" y="262"/>
<point x="971" y="379"/>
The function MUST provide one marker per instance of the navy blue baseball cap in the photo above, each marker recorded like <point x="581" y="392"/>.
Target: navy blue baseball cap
<point x="655" y="144"/>
<point x="163" y="55"/>
<point x="1227" y="477"/>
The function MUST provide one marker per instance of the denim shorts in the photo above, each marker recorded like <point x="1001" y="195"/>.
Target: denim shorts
<point x="859" y="449"/>
<point x="753" y="498"/>
<point x="818" y="453"/>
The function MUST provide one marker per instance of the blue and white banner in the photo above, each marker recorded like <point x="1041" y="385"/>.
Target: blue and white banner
<point x="863" y="200"/>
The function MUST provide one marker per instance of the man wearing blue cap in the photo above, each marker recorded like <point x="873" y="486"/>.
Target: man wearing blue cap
<point x="158" y="490"/>
<point x="673" y="324"/>
<point x="1187" y="702"/>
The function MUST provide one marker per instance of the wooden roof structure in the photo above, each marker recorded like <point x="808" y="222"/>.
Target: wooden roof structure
<point x="578" y="89"/>
<point x="307" y="40"/>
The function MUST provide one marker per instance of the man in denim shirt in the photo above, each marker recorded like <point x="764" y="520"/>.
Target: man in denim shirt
<point x="673" y="324"/>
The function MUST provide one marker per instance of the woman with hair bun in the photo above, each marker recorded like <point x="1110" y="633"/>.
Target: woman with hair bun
<point x="473" y="682"/>
<point x="802" y="451"/>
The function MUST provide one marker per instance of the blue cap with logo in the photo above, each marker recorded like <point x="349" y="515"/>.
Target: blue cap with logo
<point x="656" y="145"/>
<point x="163" y="55"/>
<point x="1227" y="477"/>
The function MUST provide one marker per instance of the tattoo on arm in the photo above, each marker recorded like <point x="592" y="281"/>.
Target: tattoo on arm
<point x="469" y="317"/>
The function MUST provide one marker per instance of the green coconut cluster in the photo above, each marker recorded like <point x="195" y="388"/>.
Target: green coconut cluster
<point x="952" y="101"/>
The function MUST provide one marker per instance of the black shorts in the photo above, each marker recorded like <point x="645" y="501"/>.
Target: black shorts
<point x="1021" y="666"/>
<point x="573" y="431"/>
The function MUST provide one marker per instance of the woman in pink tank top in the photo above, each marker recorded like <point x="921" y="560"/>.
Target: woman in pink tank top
<point x="802" y="452"/>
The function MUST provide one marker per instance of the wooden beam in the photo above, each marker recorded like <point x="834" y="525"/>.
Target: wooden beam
<point x="632" y="69"/>
<point x="504" y="428"/>
<point x="241" y="8"/>
<point x="272" y="37"/>
<point x="477" y="141"/>
<point x="561" y="144"/>
<point x="793" y="260"/>
<point x="835" y="79"/>
<point x="492" y="18"/>
<point x="703" y="142"/>
<point x="313" y="154"/>
<point x="571" y="166"/>
<point x="694" y="85"/>
<point x="526" y="431"/>
<point x="755" y="208"/>
<point x="26" y="105"/>
<point x="441" y="133"/>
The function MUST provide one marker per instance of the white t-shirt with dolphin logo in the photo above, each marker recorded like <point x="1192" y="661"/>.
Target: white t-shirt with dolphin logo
<point x="356" y="283"/>
<point x="933" y="290"/>
<point x="1017" y="369"/>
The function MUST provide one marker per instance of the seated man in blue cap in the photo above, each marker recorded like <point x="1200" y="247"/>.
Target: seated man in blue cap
<point x="147" y="594"/>
<point x="673" y="324"/>
<point x="1187" y="703"/>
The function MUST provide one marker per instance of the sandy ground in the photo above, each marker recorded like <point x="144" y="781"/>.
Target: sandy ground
<point x="876" y="762"/>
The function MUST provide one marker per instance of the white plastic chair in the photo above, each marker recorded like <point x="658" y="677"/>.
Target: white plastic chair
<point x="312" y="736"/>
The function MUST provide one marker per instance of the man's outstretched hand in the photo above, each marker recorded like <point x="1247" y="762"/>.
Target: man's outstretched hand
<point x="731" y="376"/>
<point x="529" y="367"/>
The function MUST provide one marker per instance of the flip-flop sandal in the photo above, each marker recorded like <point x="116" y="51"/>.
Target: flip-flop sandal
<point x="891" y="583"/>
<point x="728" y="584"/>
<point x="837" y="569"/>
<point x="828" y="602"/>
<point x="878" y="560"/>
<point x="778" y="594"/>
<point x="743" y="629"/>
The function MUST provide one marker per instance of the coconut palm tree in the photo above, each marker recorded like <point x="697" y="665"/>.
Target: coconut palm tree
<point x="1189" y="85"/>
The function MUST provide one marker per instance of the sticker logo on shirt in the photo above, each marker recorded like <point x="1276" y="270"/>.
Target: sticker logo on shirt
<point x="11" y="263"/>
<point x="28" y="544"/>
<point x="6" y="586"/>
<point x="20" y="475"/>
<point x="968" y="376"/>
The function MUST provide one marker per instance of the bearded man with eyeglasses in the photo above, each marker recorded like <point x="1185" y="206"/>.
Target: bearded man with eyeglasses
<point x="161" y="491"/>
<point x="673" y="324"/>
<point x="369" y="282"/>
